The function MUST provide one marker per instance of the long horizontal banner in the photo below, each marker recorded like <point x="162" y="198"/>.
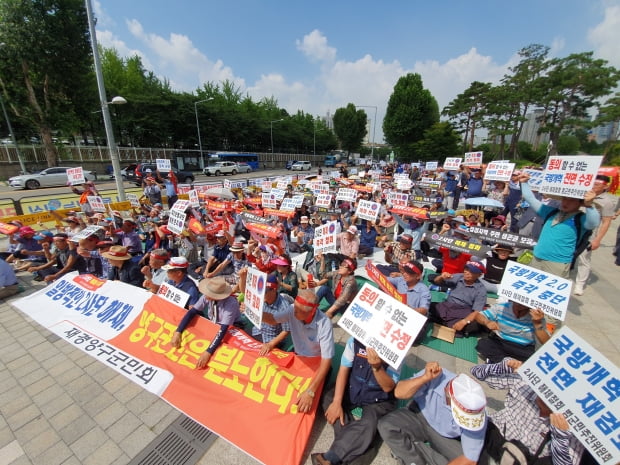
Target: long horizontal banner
<point x="503" y="237"/>
<point x="246" y="398"/>
<point x="458" y="245"/>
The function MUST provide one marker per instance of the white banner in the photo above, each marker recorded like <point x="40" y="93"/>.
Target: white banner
<point x="269" y="200"/>
<point x="266" y="185"/>
<point x="176" y="221"/>
<point x="180" y="205"/>
<point x="404" y="184"/>
<point x="570" y="176"/>
<point x="255" y="295"/>
<point x="452" y="163"/>
<point x="88" y="231"/>
<point x="173" y="295"/>
<point x="323" y="200"/>
<point x="194" y="200"/>
<point x="473" y="159"/>
<point x="499" y="171"/>
<point x="576" y="380"/>
<point x="163" y="164"/>
<point x="367" y="210"/>
<point x="96" y="203"/>
<point x="75" y="175"/>
<point x="381" y="322"/>
<point x="431" y="166"/>
<point x="299" y="200"/>
<point x="536" y="289"/>
<point x="325" y="238"/>
<point x="283" y="183"/>
<point x="133" y="199"/>
<point x="349" y="195"/>
<point x="334" y="174"/>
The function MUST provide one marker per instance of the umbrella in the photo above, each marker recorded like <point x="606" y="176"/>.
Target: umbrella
<point x="484" y="202"/>
<point x="220" y="193"/>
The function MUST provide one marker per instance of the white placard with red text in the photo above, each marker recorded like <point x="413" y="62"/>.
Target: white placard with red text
<point x="323" y="200"/>
<point x="367" y="210"/>
<point x="398" y="199"/>
<point x="172" y="294"/>
<point x="133" y="199"/>
<point x="180" y="205"/>
<point x="431" y="166"/>
<point x="269" y="200"/>
<point x="473" y="159"/>
<point x="325" y="238"/>
<point x="163" y="164"/>
<point x="176" y="221"/>
<point x="75" y="175"/>
<point x="348" y="195"/>
<point x="194" y="200"/>
<point x="255" y="286"/>
<point x="499" y="171"/>
<point x="570" y="176"/>
<point x="379" y="321"/>
<point x="452" y="163"/>
<point x="96" y="203"/>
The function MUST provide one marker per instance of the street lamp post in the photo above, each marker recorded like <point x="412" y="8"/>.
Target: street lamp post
<point x="374" y="127"/>
<point x="107" y="122"/>
<point x="274" y="121"/>
<point x="198" y="123"/>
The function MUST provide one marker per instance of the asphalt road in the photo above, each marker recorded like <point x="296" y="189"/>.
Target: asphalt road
<point x="105" y="183"/>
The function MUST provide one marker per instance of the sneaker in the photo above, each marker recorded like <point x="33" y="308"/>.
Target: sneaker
<point x="578" y="290"/>
<point x="318" y="459"/>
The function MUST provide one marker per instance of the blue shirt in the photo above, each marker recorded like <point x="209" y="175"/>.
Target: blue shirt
<point x="417" y="297"/>
<point x="7" y="275"/>
<point x="368" y="238"/>
<point x="224" y="312"/>
<point x="511" y="328"/>
<point x="187" y="285"/>
<point x="313" y="339"/>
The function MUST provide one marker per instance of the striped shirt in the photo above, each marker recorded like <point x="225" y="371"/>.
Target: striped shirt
<point x="511" y="328"/>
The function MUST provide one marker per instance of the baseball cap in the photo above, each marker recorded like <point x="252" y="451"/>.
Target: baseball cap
<point x="176" y="263"/>
<point x="303" y="219"/>
<point x="272" y="281"/>
<point x="475" y="267"/>
<point x="406" y="238"/>
<point x="25" y="230"/>
<point x="47" y="235"/>
<point x="467" y="403"/>
<point x="352" y="229"/>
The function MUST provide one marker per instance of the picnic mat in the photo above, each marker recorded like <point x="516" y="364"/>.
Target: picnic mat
<point x="463" y="347"/>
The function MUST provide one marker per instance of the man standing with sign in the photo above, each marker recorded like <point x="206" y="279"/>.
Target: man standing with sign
<point x="362" y="395"/>
<point x="447" y="411"/>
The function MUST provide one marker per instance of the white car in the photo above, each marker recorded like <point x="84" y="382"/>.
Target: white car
<point x="301" y="166"/>
<point x="50" y="177"/>
<point x="226" y="167"/>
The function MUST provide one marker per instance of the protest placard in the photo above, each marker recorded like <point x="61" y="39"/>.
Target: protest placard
<point x="383" y="323"/>
<point x="163" y="164"/>
<point x="398" y="176"/>
<point x="367" y="210"/>
<point x="334" y="174"/>
<point x="269" y="200"/>
<point x="278" y="193"/>
<point x="176" y="221"/>
<point x="173" y="294"/>
<point x="348" y="195"/>
<point x="398" y="199"/>
<point x="424" y="200"/>
<point x="266" y="185"/>
<point x="283" y="183"/>
<point x="254" y="299"/>
<point x="570" y="176"/>
<point x="458" y="245"/>
<point x="323" y="200"/>
<point x="410" y="211"/>
<point x="180" y="205"/>
<point x="194" y="200"/>
<point x="352" y="171"/>
<point x="536" y="289"/>
<point x="318" y="188"/>
<point x="251" y="218"/>
<point x="452" y="163"/>
<point x="133" y="199"/>
<point x="576" y="380"/>
<point x="473" y="159"/>
<point x="88" y="231"/>
<point x="325" y="238"/>
<point x="385" y="285"/>
<point x="536" y="178"/>
<point x="503" y="237"/>
<point x="404" y="184"/>
<point x="96" y="203"/>
<point x="431" y="166"/>
<point x="497" y="171"/>
<point x="288" y="204"/>
<point x="299" y="200"/>
<point x="75" y="175"/>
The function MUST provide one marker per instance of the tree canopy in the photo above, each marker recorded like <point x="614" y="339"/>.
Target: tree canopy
<point x="350" y="127"/>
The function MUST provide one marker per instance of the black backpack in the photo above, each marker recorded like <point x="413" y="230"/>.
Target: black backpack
<point x="583" y="237"/>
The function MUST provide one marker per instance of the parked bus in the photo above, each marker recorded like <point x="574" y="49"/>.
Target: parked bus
<point x="249" y="158"/>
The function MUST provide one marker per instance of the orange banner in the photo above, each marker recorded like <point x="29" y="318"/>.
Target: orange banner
<point x="410" y="211"/>
<point x="384" y="284"/>
<point x="218" y="206"/>
<point x="361" y="188"/>
<point x="245" y="398"/>
<point x="264" y="229"/>
<point x="282" y="213"/>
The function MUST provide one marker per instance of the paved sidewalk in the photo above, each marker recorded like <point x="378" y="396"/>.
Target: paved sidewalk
<point x="60" y="406"/>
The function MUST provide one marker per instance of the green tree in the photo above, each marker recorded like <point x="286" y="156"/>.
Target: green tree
<point x="568" y="144"/>
<point x="350" y="127"/>
<point x="440" y="141"/>
<point x="46" y="66"/>
<point x="466" y="111"/>
<point x="610" y="113"/>
<point x="411" y="110"/>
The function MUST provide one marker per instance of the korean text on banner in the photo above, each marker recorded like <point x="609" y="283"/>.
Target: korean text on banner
<point x="255" y="286"/>
<point x="473" y="159"/>
<point x="180" y="205"/>
<point x="398" y="199"/>
<point x="325" y="238"/>
<point x="323" y="200"/>
<point x="384" y="284"/>
<point x="503" y="237"/>
<point x="367" y="210"/>
<point x="133" y="199"/>
<point x="576" y="380"/>
<point x="381" y="322"/>
<point x="176" y="221"/>
<point x="269" y="200"/>
<point x="431" y="166"/>
<point x="536" y="178"/>
<point x="288" y="204"/>
<point x="348" y="195"/>
<point x="96" y="203"/>
<point x="194" y="200"/>
<point x="130" y="329"/>
<point x="536" y="289"/>
<point x="173" y="295"/>
<point x="88" y="231"/>
<point x="75" y="175"/>
<point x="452" y="163"/>
<point x="570" y="176"/>
<point x="458" y="245"/>
<point x="163" y="164"/>
<point x="499" y="171"/>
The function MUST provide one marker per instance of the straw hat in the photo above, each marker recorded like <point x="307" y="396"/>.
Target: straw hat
<point x="215" y="288"/>
<point x="117" y="252"/>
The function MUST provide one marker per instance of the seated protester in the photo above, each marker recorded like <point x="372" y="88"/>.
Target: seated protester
<point x="452" y="261"/>
<point x="288" y="282"/>
<point x="106" y="266"/>
<point x="207" y="246"/>
<point x="27" y="247"/>
<point x="8" y="281"/>
<point x="349" y="242"/>
<point x="525" y="419"/>
<point x="397" y="252"/>
<point x="154" y="273"/>
<point x="220" y="253"/>
<point x="312" y="336"/>
<point x="415" y="229"/>
<point x="272" y="336"/>
<point x="217" y="305"/>
<point x="387" y="224"/>
<point x="368" y="237"/>
<point x="63" y="259"/>
<point x="123" y="268"/>
<point x="262" y="256"/>
<point x="44" y="239"/>
<point x="467" y="298"/>
<point x="176" y="270"/>
<point x="473" y="220"/>
<point x="515" y="328"/>
<point x="232" y="263"/>
<point x="498" y="222"/>
<point x="365" y="383"/>
<point x="12" y="246"/>
<point x="445" y="422"/>
<point x="343" y="287"/>
<point x="302" y="236"/>
<point x="495" y="266"/>
<point x="408" y="283"/>
<point x="89" y="260"/>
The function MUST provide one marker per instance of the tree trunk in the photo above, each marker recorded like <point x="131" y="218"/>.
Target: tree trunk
<point x="51" y="154"/>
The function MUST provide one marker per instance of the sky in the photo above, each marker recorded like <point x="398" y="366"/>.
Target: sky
<point x="317" y="56"/>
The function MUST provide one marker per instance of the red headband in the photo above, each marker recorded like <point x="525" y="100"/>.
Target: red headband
<point x="306" y="303"/>
<point x="412" y="267"/>
<point x="350" y="265"/>
<point x="160" y="257"/>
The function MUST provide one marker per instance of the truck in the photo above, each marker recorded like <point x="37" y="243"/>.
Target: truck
<point x="331" y="159"/>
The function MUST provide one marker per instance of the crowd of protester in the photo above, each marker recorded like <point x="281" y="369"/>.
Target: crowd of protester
<point x="209" y="262"/>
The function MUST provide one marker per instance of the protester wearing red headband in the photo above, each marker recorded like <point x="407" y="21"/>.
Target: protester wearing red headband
<point x="408" y="283"/>
<point x="312" y="336"/>
<point x="153" y="273"/>
<point x="343" y="288"/>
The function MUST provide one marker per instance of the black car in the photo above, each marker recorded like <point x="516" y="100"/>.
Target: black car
<point x="183" y="177"/>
